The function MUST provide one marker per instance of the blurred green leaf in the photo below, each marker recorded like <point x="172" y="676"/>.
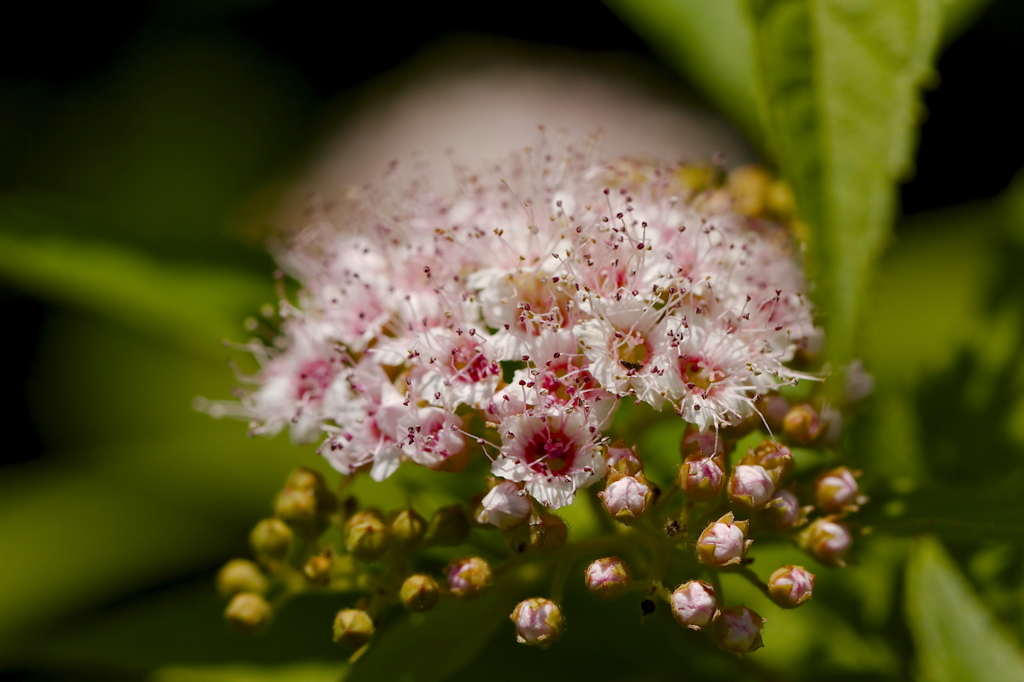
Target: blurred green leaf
<point x="956" y="638"/>
<point x="841" y="82"/>
<point x="299" y="672"/>
<point x="191" y="305"/>
<point x="432" y="646"/>
<point x="712" y="43"/>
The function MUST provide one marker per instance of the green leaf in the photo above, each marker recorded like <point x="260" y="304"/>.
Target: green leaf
<point x="841" y="84"/>
<point x="955" y="637"/>
<point x="431" y="647"/>
<point x="298" y="672"/>
<point x="711" y="42"/>
<point x="191" y="305"/>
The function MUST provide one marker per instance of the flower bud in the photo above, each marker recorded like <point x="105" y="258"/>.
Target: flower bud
<point x="738" y="630"/>
<point x="408" y="528"/>
<point x="271" y="539"/>
<point x="827" y="540"/>
<point x="627" y="497"/>
<point x="694" y="604"/>
<point x="750" y="486"/>
<point x="776" y="459"/>
<point x="783" y="511"/>
<point x="538" y="622"/>
<point x="696" y="443"/>
<point x="241" y="575"/>
<point x="701" y="477"/>
<point x="449" y="526"/>
<point x="750" y="186"/>
<point x="468" y="578"/>
<point x="248" y="614"/>
<point x="352" y="628"/>
<point x="837" y="490"/>
<point x="366" y="536"/>
<point x="297" y="507"/>
<point x="791" y="586"/>
<point x="505" y="506"/>
<point x="625" y="461"/>
<point x="318" y="569"/>
<point x="723" y="542"/>
<point x="607" y="578"/>
<point x="802" y="424"/>
<point x="419" y="592"/>
<point x="547" y="532"/>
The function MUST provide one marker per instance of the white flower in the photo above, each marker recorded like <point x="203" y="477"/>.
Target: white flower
<point x="504" y="506"/>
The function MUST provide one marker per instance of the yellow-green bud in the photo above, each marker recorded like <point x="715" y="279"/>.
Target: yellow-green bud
<point x="802" y="424"/>
<point x="271" y="538"/>
<point x="408" y="528"/>
<point x="449" y="526"/>
<point x="248" y="614"/>
<point x="366" y="536"/>
<point x="419" y="592"/>
<point x="352" y="628"/>
<point x="468" y="578"/>
<point x="318" y="569"/>
<point x="547" y="532"/>
<point x="297" y="508"/>
<point x="241" y="575"/>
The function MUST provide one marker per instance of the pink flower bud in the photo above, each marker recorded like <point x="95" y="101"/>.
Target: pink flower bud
<point x="750" y="486"/>
<point x="837" y="490"/>
<point x="468" y="578"/>
<point x="738" y="630"/>
<point x="701" y="477"/>
<point x="723" y="542"/>
<point x="538" y="622"/>
<point x="627" y="497"/>
<point x="791" y="586"/>
<point x="624" y="460"/>
<point x="608" y="578"/>
<point x="694" y="604"/>
<point x="776" y="459"/>
<point x="827" y="540"/>
<point x="504" y="506"/>
<point x="783" y="511"/>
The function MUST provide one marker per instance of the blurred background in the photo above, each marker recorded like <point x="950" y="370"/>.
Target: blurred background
<point x="141" y="152"/>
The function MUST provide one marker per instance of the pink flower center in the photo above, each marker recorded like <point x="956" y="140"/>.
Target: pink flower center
<point x="314" y="378"/>
<point x="551" y="451"/>
<point x="698" y="373"/>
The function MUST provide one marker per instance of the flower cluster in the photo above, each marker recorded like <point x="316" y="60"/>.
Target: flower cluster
<point x="510" y="319"/>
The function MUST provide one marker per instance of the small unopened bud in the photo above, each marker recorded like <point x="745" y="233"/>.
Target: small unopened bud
<point x="248" y="614"/>
<point x="783" y="511"/>
<point x="240" y="575"/>
<point x="625" y="461"/>
<point x="318" y="569"/>
<point x="837" y="490"/>
<point x="828" y="540"/>
<point x="696" y="443"/>
<point x="750" y="486"/>
<point x="776" y="459"/>
<point x="449" y="526"/>
<point x="750" y="186"/>
<point x="419" y="592"/>
<point x="607" y="578"/>
<point x="723" y="542"/>
<point x="407" y="528"/>
<point x="504" y="506"/>
<point x="304" y="478"/>
<point x="802" y="424"/>
<point x="271" y="539"/>
<point x="694" y="604"/>
<point x="352" y="628"/>
<point x="628" y="497"/>
<point x="791" y="586"/>
<point x="701" y="477"/>
<point x="297" y="507"/>
<point x="468" y="578"/>
<point x="538" y="622"/>
<point x="547" y="532"/>
<point x="366" y="536"/>
<point x="738" y="630"/>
